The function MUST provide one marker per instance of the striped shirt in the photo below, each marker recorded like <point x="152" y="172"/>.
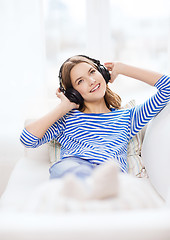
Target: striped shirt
<point x="100" y="137"/>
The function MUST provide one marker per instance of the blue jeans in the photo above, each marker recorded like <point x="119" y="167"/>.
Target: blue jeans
<point x="79" y="167"/>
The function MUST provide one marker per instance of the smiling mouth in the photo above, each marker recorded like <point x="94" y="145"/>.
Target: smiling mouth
<point x="95" y="88"/>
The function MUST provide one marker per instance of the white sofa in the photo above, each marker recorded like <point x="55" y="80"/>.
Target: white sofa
<point x="32" y="170"/>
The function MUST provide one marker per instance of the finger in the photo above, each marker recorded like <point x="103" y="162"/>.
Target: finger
<point x="113" y="77"/>
<point x="58" y="90"/>
<point x="59" y="94"/>
<point x="111" y="80"/>
<point x="109" y="65"/>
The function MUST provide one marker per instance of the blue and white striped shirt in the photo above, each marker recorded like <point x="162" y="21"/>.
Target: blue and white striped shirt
<point x="101" y="137"/>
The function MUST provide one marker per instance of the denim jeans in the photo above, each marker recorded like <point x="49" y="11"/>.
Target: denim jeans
<point x="81" y="168"/>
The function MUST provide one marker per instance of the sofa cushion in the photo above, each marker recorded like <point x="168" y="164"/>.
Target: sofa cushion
<point x="134" y="159"/>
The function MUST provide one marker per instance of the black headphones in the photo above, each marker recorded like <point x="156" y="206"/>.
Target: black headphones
<point x="72" y="94"/>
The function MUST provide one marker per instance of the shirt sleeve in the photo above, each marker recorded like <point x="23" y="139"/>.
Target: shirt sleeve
<point x="143" y="113"/>
<point x="31" y="141"/>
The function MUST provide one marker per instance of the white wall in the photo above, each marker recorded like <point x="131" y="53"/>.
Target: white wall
<point x="22" y="57"/>
<point x="22" y="71"/>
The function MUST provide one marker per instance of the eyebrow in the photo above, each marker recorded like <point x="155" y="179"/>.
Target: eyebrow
<point x="82" y="77"/>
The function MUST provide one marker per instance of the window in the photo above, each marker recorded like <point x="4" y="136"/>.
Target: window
<point x="140" y="36"/>
<point x="65" y="35"/>
<point x="140" y="32"/>
<point x="65" y="28"/>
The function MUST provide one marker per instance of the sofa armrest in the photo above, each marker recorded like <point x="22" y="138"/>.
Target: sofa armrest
<point x="11" y="151"/>
<point x="29" y="172"/>
<point x="156" y="151"/>
<point x="5" y="172"/>
<point x="40" y="154"/>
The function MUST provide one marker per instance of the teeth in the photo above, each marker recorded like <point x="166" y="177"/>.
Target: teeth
<point x="95" y="88"/>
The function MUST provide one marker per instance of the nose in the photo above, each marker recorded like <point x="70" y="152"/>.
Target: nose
<point x="91" y="81"/>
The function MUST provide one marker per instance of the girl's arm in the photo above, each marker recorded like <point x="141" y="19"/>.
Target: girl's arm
<point x="143" y="75"/>
<point x="39" y="127"/>
<point x="142" y="114"/>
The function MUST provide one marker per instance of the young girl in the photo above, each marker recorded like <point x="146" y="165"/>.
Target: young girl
<point x="89" y="123"/>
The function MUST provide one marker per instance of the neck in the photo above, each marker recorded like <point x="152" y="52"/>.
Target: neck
<point x="96" y="108"/>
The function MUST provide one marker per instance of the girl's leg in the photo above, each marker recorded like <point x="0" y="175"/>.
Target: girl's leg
<point x="102" y="183"/>
<point x="79" y="167"/>
<point x="98" y="182"/>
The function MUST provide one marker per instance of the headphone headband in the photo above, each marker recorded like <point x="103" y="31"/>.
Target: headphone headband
<point x="97" y="62"/>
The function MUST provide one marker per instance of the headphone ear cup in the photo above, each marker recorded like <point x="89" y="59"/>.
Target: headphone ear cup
<point x="74" y="96"/>
<point x="105" y="73"/>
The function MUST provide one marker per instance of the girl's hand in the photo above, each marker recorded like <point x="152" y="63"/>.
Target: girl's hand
<point x="65" y="101"/>
<point x="113" y="68"/>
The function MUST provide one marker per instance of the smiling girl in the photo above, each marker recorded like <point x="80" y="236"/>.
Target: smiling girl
<point x="95" y="130"/>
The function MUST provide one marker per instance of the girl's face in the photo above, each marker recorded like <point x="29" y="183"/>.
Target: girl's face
<point x="88" y="81"/>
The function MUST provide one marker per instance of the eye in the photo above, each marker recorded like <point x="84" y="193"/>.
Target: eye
<point x="92" y="71"/>
<point x="80" y="81"/>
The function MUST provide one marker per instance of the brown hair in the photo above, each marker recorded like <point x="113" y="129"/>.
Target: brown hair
<point x="111" y="98"/>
